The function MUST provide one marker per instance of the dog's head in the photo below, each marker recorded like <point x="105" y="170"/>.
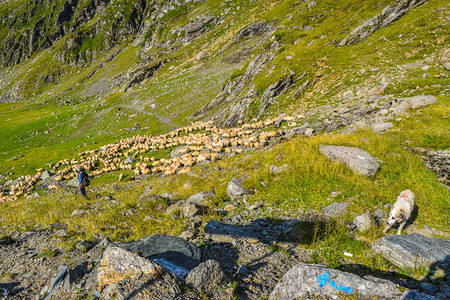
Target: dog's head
<point x="396" y="215"/>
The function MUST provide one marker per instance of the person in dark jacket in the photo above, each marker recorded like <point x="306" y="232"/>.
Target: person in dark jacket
<point x="82" y="181"/>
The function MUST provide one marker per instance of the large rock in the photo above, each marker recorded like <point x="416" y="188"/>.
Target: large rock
<point x="117" y="264"/>
<point x="223" y="232"/>
<point x="414" y="250"/>
<point x="206" y="276"/>
<point x="305" y="281"/>
<point x="235" y="190"/>
<point x="169" y="248"/>
<point x="356" y="159"/>
<point x="414" y="103"/>
<point x="74" y="182"/>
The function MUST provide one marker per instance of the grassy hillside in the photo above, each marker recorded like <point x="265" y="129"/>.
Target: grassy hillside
<point x="54" y="107"/>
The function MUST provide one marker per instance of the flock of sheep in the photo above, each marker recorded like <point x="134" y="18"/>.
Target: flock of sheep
<point x="202" y="141"/>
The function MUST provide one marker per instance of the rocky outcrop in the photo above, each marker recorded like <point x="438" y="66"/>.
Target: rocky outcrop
<point x="356" y="159"/>
<point x="414" y="251"/>
<point x="387" y="16"/>
<point x="274" y="90"/>
<point x="413" y="103"/>
<point x="139" y="76"/>
<point x="306" y="281"/>
<point x="42" y="31"/>
<point x="118" y="264"/>
<point x="206" y="276"/>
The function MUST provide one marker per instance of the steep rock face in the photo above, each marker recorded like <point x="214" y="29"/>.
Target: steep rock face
<point x="37" y="25"/>
<point x="387" y="16"/>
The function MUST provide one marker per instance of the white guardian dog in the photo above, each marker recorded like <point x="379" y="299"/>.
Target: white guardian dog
<point x="401" y="211"/>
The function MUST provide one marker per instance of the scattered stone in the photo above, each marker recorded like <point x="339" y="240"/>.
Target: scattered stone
<point x="201" y="197"/>
<point x="117" y="264"/>
<point x="78" y="212"/>
<point x="223" y="232"/>
<point x="46" y="174"/>
<point x="415" y="295"/>
<point x="336" y="209"/>
<point x="187" y="235"/>
<point x="58" y="282"/>
<point x="335" y="194"/>
<point x="61" y="233"/>
<point x="447" y="66"/>
<point x="309" y="132"/>
<point x="428" y="231"/>
<point x="414" y="251"/>
<point x="277" y="170"/>
<point x="206" y="276"/>
<point x="235" y="190"/>
<point x="129" y="160"/>
<point x="243" y="270"/>
<point x="356" y="159"/>
<point x="380" y="127"/>
<point x="363" y="222"/>
<point x="305" y="281"/>
<point x="229" y="207"/>
<point x="86" y="245"/>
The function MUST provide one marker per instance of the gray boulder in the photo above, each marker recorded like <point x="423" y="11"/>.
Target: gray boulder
<point x="201" y="197"/>
<point x="129" y="160"/>
<point x="73" y="182"/>
<point x="46" y="174"/>
<point x="363" y="222"/>
<point x="305" y="281"/>
<point x="414" y="250"/>
<point x="223" y="232"/>
<point x="356" y="159"/>
<point x="336" y="209"/>
<point x="206" y="276"/>
<point x="235" y="190"/>
<point x="117" y="264"/>
<point x="169" y="248"/>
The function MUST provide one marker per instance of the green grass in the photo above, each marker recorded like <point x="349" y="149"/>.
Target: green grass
<point x="183" y="85"/>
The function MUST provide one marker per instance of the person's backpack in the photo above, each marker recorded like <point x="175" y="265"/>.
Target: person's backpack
<point x="85" y="181"/>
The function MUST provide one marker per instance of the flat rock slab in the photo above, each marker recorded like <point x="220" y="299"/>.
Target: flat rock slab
<point x="414" y="250"/>
<point x="170" y="248"/>
<point x="223" y="232"/>
<point x="305" y="281"/>
<point x="356" y="159"/>
<point x="336" y="209"/>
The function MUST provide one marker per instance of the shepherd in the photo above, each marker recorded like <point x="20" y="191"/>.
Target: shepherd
<point x="83" y="180"/>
